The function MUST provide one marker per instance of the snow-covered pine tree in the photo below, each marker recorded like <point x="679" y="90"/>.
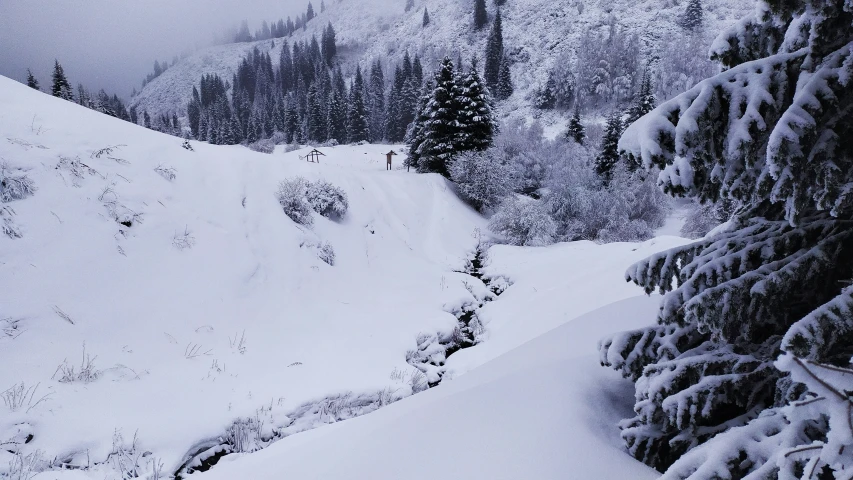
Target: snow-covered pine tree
<point x="309" y="14"/>
<point x="61" y="88"/>
<point x="645" y="100"/>
<point x="337" y="126"/>
<point x="358" y="129"/>
<point x="329" y="40"/>
<point x="426" y="17"/>
<point x="317" y="120"/>
<point x="410" y="4"/>
<point x="31" y="80"/>
<point x="576" y="132"/>
<point x="494" y="54"/>
<point x="146" y="119"/>
<point x="504" y="88"/>
<point x="773" y="131"/>
<point x="475" y="115"/>
<point x="692" y="17"/>
<point x="608" y="157"/>
<point x="441" y="130"/>
<point x="415" y="134"/>
<point x="376" y="101"/>
<point x="481" y="17"/>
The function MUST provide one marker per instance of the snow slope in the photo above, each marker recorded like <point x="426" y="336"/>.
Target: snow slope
<point x="545" y="410"/>
<point x="245" y="321"/>
<point x="536" y="34"/>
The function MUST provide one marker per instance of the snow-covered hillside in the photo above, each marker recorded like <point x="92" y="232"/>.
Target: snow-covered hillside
<point x="147" y="320"/>
<point x="536" y="33"/>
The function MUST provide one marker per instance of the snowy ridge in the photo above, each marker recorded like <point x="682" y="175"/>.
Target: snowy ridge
<point x="536" y="34"/>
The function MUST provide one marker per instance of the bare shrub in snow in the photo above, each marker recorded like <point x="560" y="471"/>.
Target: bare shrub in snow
<point x="326" y="253"/>
<point x="291" y="195"/>
<point x="194" y="350"/>
<point x="74" y="167"/>
<point x="183" y="240"/>
<point x="126" y="459"/>
<point x="85" y="373"/>
<point x="523" y="221"/>
<point x="25" y="467"/>
<point x="265" y="145"/>
<point x="327" y="199"/>
<point x="187" y="146"/>
<point x="8" y="226"/>
<point x="246" y="435"/>
<point x="14" y="185"/>
<point x="21" y="396"/>
<point x="10" y="327"/>
<point x="108" y="152"/>
<point x="169" y="173"/>
<point x="238" y="343"/>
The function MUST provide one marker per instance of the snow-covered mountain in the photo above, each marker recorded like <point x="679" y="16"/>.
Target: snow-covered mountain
<point x="536" y="34"/>
<point x="160" y="310"/>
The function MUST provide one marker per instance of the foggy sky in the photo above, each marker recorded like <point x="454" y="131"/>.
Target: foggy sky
<point x="112" y="44"/>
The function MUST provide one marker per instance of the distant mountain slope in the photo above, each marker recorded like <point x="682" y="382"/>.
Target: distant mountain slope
<point x="536" y="34"/>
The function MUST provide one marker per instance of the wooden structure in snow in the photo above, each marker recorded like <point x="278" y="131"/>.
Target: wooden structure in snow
<point x="314" y="156"/>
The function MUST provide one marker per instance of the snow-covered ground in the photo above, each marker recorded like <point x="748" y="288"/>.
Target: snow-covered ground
<point x="200" y="303"/>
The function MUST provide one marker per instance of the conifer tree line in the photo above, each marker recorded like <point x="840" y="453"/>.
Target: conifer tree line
<point x="277" y="28"/>
<point x="60" y="87"/>
<point x="305" y="98"/>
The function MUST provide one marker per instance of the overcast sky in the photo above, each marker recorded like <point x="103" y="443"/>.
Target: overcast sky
<point x="112" y="44"/>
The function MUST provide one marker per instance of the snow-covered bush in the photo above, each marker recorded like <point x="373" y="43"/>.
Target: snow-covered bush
<point x="14" y="185"/>
<point x="169" y="173"/>
<point x="326" y="253"/>
<point x="291" y="195"/>
<point x="628" y="209"/>
<point x="291" y="147"/>
<point x="483" y="180"/>
<point x="8" y="226"/>
<point x="524" y="221"/>
<point x="327" y="199"/>
<point x="265" y="145"/>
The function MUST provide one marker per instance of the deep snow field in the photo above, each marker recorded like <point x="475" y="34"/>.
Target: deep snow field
<point x="209" y="306"/>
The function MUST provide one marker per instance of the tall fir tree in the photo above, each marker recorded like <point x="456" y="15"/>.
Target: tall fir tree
<point x="576" y="132"/>
<point x="317" y="120"/>
<point x="146" y="119"/>
<point x="426" y="17"/>
<point x="337" y="125"/>
<point x="494" y="54"/>
<point x="376" y="102"/>
<point x="475" y="117"/>
<point x="504" y="88"/>
<point x="61" y="88"/>
<point x="310" y="13"/>
<point x="645" y="100"/>
<point x="31" y="81"/>
<point x="481" y="16"/>
<point x="358" y="129"/>
<point x="440" y="132"/>
<point x="693" y="16"/>
<point x="415" y="134"/>
<point x="608" y="157"/>
<point x="741" y="375"/>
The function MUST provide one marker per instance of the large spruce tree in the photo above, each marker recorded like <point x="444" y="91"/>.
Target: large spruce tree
<point x="692" y="17"/>
<point x="61" y="88"/>
<point x="608" y="157"/>
<point x="774" y="132"/>
<point x="576" y="131"/>
<point x="481" y="16"/>
<point x="358" y="129"/>
<point x="476" y="117"/>
<point x="31" y="80"/>
<point x="494" y="54"/>
<point x="441" y="129"/>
